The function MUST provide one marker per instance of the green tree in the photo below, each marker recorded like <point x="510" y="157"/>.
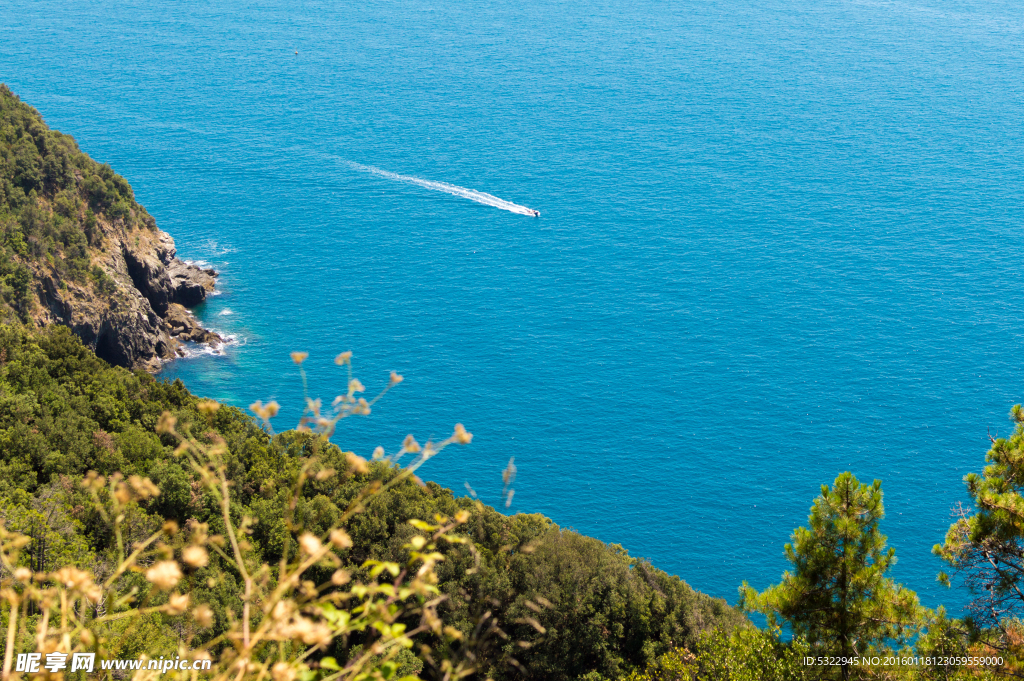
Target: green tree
<point x="985" y="549"/>
<point x="838" y="596"/>
<point x="569" y="606"/>
<point x="745" y="654"/>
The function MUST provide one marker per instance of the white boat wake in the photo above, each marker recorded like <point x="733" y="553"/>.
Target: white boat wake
<point x="471" y="194"/>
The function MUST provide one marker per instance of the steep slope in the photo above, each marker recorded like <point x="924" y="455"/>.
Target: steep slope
<point x="64" y="412"/>
<point x="76" y="249"/>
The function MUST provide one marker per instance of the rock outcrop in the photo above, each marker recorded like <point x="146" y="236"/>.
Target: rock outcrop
<point x="137" y="316"/>
<point x="77" y="249"/>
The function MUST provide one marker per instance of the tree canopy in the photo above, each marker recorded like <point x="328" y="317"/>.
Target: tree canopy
<point x="984" y="547"/>
<point x="838" y="596"/>
<point x="52" y="196"/>
<point x="580" y="605"/>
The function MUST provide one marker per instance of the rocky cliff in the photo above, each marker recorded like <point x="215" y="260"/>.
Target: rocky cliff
<point x="77" y="249"/>
<point x="139" y="318"/>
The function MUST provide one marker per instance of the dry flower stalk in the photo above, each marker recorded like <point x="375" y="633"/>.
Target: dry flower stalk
<point x="285" y="621"/>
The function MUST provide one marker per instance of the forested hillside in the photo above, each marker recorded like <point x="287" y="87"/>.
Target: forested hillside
<point x="50" y="195"/>
<point x="64" y="412"/>
<point x="77" y="249"/>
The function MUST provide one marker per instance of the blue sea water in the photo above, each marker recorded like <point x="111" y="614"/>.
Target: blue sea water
<point x="779" y="239"/>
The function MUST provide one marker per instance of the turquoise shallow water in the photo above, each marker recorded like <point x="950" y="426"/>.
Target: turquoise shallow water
<point x="779" y="239"/>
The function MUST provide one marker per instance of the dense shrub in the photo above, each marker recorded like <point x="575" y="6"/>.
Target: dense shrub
<point x="52" y="199"/>
<point x="569" y="605"/>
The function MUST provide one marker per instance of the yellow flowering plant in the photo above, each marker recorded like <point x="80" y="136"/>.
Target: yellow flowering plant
<point x="287" y="621"/>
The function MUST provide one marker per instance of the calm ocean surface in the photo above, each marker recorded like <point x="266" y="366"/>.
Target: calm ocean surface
<point x="779" y="239"/>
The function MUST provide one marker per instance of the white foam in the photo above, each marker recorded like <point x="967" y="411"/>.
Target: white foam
<point x="225" y="312"/>
<point x="463" y="192"/>
<point x="214" y="247"/>
<point x="191" y="350"/>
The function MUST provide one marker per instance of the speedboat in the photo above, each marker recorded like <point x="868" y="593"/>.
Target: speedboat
<point x="536" y="213"/>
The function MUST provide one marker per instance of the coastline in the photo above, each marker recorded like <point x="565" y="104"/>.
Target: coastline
<point x="83" y="253"/>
